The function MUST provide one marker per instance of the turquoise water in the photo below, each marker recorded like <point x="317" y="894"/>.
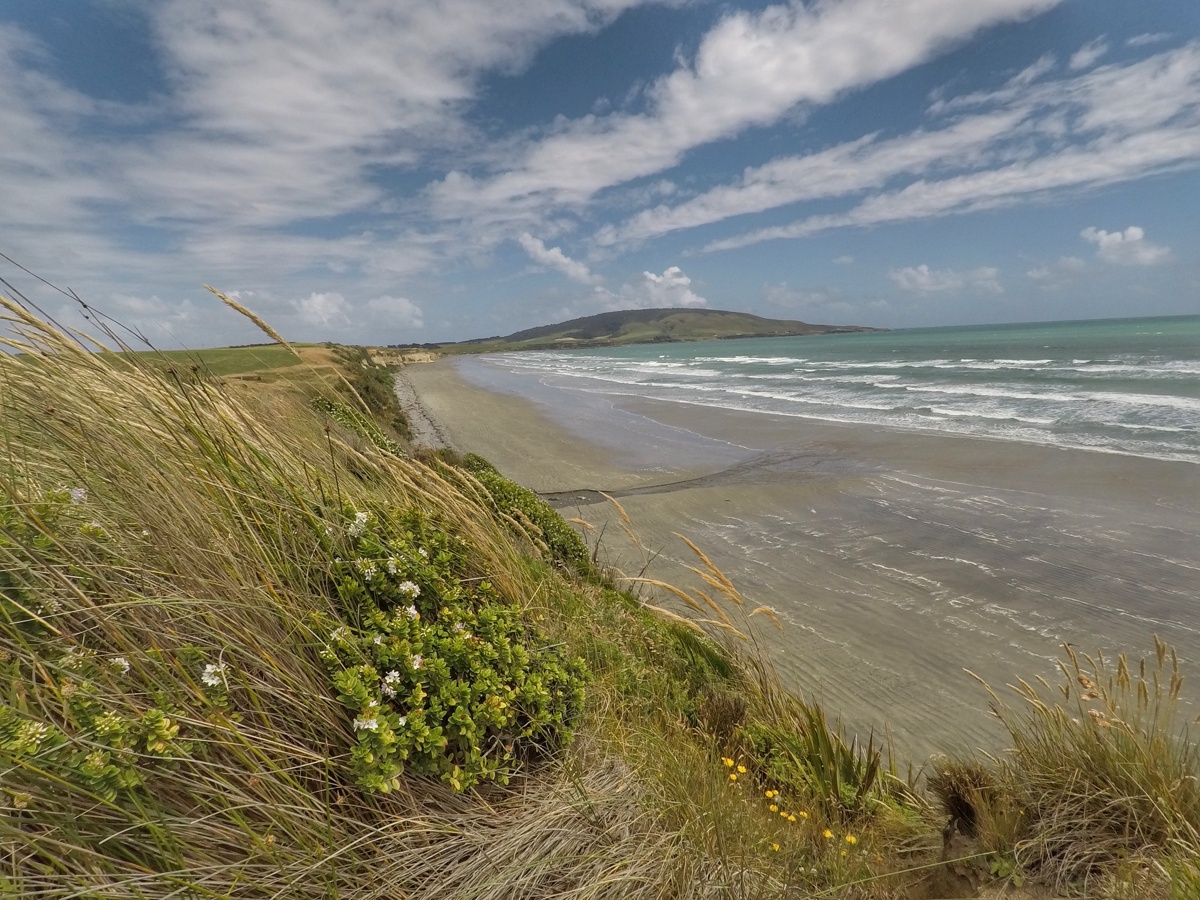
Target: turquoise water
<point x="1127" y="386"/>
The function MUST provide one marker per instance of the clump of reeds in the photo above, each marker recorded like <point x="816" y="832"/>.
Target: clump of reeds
<point x="1104" y="771"/>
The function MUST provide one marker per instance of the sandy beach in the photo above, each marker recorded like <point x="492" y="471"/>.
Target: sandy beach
<point x="896" y="560"/>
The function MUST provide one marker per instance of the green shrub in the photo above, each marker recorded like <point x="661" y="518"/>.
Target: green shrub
<point x="375" y="386"/>
<point x="564" y="543"/>
<point x="362" y="425"/>
<point x="442" y="675"/>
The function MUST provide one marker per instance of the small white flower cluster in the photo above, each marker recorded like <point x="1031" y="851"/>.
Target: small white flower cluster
<point x="356" y="528"/>
<point x="363" y="723"/>
<point x="391" y="565"/>
<point x="78" y="495"/>
<point x="33" y="733"/>
<point x="366" y="568"/>
<point x="460" y="628"/>
<point x="108" y="723"/>
<point x="417" y="661"/>
<point x="214" y="674"/>
<point x="409" y="589"/>
<point x="121" y="663"/>
<point x="390" y="680"/>
<point x="423" y="553"/>
<point x="412" y="612"/>
<point x="341" y="634"/>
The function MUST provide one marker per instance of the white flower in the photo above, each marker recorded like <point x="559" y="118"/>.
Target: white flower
<point x="409" y="589"/>
<point x="413" y="613"/>
<point x="418" y="661"/>
<point x="390" y="680"/>
<point x="364" y="724"/>
<point x="120" y="662"/>
<point x="358" y="526"/>
<point x="78" y="495"/>
<point x="214" y="674"/>
<point x="391" y="565"/>
<point x="341" y="633"/>
<point x="459" y="627"/>
<point x="366" y="567"/>
<point x="403" y="720"/>
<point x="422" y="551"/>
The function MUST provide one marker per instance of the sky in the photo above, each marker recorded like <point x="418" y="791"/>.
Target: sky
<point x="383" y="172"/>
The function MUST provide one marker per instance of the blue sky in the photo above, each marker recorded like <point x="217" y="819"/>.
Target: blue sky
<point x="383" y="172"/>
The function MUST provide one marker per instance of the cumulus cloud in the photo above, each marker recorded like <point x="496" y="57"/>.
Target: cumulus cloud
<point x="396" y="311"/>
<point x="323" y="309"/>
<point x="924" y="280"/>
<point x="554" y="258"/>
<point x="1126" y="248"/>
<point x="1087" y="55"/>
<point x="673" y="288"/>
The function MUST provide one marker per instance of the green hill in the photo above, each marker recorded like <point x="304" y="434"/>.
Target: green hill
<point x="644" y="326"/>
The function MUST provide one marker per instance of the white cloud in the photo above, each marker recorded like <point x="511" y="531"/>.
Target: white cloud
<point x="554" y="258"/>
<point x="1056" y="275"/>
<point x="1144" y="40"/>
<point x="672" y="288"/>
<point x="272" y="115"/>
<point x="924" y="280"/>
<point x="1087" y="55"/>
<point x="395" y="312"/>
<point x="820" y="305"/>
<point x="750" y="70"/>
<point x="1112" y="124"/>
<point x="845" y="260"/>
<point x="323" y="309"/>
<point x="1126" y="248"/>
<point x="843" y="169"/>
<point x="1032" y="73"/>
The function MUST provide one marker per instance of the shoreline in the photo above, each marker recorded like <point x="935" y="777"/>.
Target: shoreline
<point x="896" y="559"/>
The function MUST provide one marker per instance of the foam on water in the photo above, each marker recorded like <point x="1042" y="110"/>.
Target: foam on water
<point x="1117" y="386"/>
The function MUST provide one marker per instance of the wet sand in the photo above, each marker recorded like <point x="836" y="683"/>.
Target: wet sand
<point x="896" y="560"/>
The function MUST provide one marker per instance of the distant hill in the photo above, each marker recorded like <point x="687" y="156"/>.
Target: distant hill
<point x="643" y="326"/>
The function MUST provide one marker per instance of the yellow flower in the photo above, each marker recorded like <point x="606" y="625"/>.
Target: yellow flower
<point x="843" y="853"/>
<point x="803" y="814"/>
<point x="732" y="776"/>
<point x="851" y="840"/>
<point x="774" y="846"/>
<point x="727" y="761"/>
<point x="791" y="818"/>
<point x="783" y="814"/>
<point x="771" y="794"/>
<point x="742" y="769"/>
<point x="773" y="808"/>
<point x="827" y="833"/>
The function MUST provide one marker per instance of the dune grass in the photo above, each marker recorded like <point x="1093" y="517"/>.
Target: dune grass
<point x="205" y="591"/>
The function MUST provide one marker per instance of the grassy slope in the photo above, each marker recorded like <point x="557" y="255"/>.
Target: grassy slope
<point x="640" y="326"/>
<point x="201" y="541"/>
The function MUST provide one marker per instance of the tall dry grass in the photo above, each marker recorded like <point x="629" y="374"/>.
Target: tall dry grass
<point x="165" y="553"/>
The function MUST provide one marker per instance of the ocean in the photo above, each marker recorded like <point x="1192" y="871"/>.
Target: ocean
<point x="1128" y="386"/>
